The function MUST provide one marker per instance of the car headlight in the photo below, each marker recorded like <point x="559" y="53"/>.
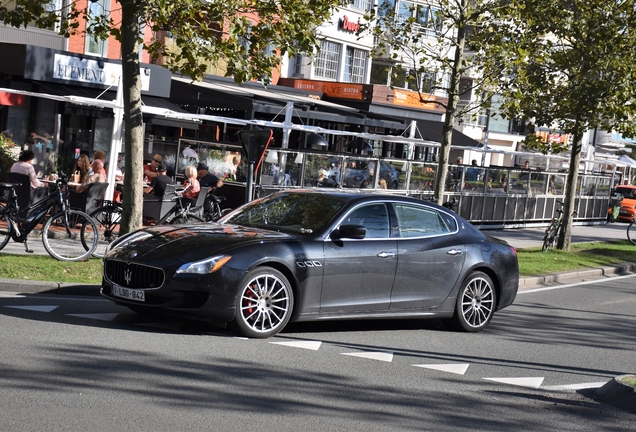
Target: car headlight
<point x="208" y="265"/>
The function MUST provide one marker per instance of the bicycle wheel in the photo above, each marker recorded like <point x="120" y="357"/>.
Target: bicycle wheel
<point x="187" y="218"/>
<point x="5" y="229"/>
<point x="69" y="244"/>
<point x="107" y="218"/>
<point x="631" y="232"/>
<point x="548" y="240"/>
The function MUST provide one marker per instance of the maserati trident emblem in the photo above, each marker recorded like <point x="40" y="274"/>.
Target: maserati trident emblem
<point x="127" y="276"/>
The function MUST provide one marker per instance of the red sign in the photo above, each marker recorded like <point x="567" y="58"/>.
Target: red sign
<point x="346" y="25"/>
<point x="332" y="89"/>
<point x="12" y="99"/>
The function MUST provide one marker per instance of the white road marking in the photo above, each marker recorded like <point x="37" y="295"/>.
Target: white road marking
<point x="459" y="368"/>
<point x="97" y="316"/>
<point x="35" y="308"/>
<point x="522" y="382"/>
<point x="580" y="386"/>
<point x="373" y="355"/>
<point x="310" y="345"/>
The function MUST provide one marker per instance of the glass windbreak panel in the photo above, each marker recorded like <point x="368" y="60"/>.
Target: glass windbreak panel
<point x="474" y="179"/>
<point x="496" y="181"/>
<point x="422" y="176"/>
<point x="556" y="184"/>
<point x="224" y="161"/>
<point x="281" y="168"/>
<point x="538" y="183"/>
<point x="588" y="186"/>
<point x="317" y="168"/>
<point x="519" y="181"/>
<point x="454" y="178"/>
<point x="392" y="175"/>
<point x="359" y="172"/>
<point x="604" y="186"/>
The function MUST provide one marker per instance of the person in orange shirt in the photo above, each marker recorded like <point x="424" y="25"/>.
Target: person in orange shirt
<point x="192" y="186"/>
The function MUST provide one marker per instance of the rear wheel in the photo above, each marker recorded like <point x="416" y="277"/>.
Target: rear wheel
<point x="107" y="219"/>
<point x="76" y="244"/>
<point x="5" y="230"/>
<point x="631" y="232"/>
<point x="548" y="240"/>
<point x="264" y="303"/>
<point x="476" y="303"/>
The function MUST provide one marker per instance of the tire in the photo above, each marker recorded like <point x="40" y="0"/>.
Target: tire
<point x="476" y="303"/>
<point x="548" y="239"/>
<point x="107" y="219"/>
<point x="264" y="303"/>
<point x="76" y="246"/>
<point x="631" y="232"/>
<point x="188" y="218"/>
<point x="5" y="230"/>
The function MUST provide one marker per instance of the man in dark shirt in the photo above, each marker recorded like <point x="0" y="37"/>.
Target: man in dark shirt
<point x="206" y="178"/>
<point x="158" y="185"/>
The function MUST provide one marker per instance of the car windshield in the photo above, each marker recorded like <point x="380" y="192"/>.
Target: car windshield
<point x="625" y="192"/>
<point x="289" y="212"/>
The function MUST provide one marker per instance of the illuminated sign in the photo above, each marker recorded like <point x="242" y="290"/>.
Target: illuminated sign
<point x="345" y="25"/>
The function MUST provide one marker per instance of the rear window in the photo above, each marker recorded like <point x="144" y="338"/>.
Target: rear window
<point x="625" y="192"/>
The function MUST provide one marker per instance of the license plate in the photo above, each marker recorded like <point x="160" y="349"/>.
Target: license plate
<point x="130" y="294"/>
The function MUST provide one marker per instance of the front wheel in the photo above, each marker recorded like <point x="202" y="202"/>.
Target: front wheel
<point x="107" y="219"/>
<point x="70" y="236"/>
<point x="264" y="303"/>
<point x="5" y="230"/>
<point x="631" y="232"/>
<point x="476" y="303"/>
<point x="187" y="218"/>
<point x="548" y="240"/>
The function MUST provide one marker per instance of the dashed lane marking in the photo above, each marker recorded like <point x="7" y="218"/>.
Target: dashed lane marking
<point x="532" y="382"/>
<point x="574" y="387"/>
<point x="373" y="355"/>
<point x="35" y="308"/>
<point x="310" y="345"/>
<point x="459" y="369"/>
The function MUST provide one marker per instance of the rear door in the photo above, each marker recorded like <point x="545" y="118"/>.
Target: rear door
<point x="430" y="257"/>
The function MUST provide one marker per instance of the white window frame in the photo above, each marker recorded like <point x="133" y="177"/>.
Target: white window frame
<point x="100" y="45"/>
<point x="327" y="61"/>
<point x="355" y="65"/>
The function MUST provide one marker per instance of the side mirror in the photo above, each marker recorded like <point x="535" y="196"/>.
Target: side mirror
<point x="357" y="232"/>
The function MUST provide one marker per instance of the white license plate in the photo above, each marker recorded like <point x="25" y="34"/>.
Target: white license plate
<point x="130" y="294"/>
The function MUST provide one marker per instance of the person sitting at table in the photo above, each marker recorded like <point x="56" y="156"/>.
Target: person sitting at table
<point x="192" y="187"/>
<point x="150" y="169"/>
<point x="24" y="165"/>
<point x="158" y="184"/>
<point x="98" y="176"/>
<point x="206" y="178"/>
<point x="82" y="167"/>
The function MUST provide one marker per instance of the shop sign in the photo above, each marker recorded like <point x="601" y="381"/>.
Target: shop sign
<point x="332" y="89"/>
<point x="553" y="137"/>
<point x="12" y="99"/>
<point x="411" y="98"/>
<point x="92" y="71"/>
<point x="349" y="26"/>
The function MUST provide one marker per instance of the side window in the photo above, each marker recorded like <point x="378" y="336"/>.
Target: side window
<point x="374" y="217"/>
<point x="414" y="221"/>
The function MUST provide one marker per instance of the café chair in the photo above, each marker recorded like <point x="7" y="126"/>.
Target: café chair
<point x="197" y="208"/>
<point x="156" y="207"/>
<point x="89" y="200"/>
<point x="26" y="194"/>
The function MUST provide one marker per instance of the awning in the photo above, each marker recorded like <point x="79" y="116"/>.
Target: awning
<point x="629" y="161"/>
<point x="432" y="131"/>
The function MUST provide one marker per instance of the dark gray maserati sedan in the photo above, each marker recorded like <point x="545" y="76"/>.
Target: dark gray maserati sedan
<point x="312" y="255"/>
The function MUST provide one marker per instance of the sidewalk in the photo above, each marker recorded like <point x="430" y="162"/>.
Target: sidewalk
<point x="519" y="238"/>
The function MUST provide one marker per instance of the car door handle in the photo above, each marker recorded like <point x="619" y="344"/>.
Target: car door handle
<point x="386" y="254"/>
<point x="455" y="252"/>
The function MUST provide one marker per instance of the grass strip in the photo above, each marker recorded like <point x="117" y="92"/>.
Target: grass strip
<point x="45" y="268"/>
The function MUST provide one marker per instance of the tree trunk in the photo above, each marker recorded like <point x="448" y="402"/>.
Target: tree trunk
<point x="569" y="206"/>
<point x="451" y="107"/>
<point x="133" y="121"/>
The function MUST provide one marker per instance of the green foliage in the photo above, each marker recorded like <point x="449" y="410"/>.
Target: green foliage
<point x="9" y="153"/>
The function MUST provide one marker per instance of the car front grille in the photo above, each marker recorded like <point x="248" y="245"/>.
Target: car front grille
<point x="131" y="275"/>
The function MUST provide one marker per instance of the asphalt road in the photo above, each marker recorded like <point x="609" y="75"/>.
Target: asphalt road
<point x="83" y="363"/>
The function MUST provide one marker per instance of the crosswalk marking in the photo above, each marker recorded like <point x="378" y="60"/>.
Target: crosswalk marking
<point x="310" y="345"/>
<point x="522" y="382"/>
<point x="373" y="355"/>
<point x="459" y="368"/>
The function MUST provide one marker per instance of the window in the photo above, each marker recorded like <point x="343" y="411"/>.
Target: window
<point x="363" y="5"/>
<point x="355" y="65"/>
<point x="374" y="218"/>
<point x="405" y="10"/>
<point x="326" y="62"/>
<point x="94" y="45"/>
<point x="423" y="222"/>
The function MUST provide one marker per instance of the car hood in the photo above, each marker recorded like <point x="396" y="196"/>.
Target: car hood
<point x="190" y="243"/>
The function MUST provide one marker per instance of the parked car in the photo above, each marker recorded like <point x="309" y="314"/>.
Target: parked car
<point x="362" y="177"/>
<point x="627" y="211"/>
<point x="315" y="255"/>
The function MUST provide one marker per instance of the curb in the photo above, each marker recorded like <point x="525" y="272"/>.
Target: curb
<point x="552" y="279"/>
<point x="616" y="392"/>
<point x="41" y="287"/>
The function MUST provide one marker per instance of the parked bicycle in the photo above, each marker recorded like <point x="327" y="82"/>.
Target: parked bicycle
<point x="107" y="216"/>
<point x="553" y="230"/>
<point x="67" y="235"/>
<point x="180" y="213"/>
<point x="212" y="208"/>
<point x="631" y="232"/>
